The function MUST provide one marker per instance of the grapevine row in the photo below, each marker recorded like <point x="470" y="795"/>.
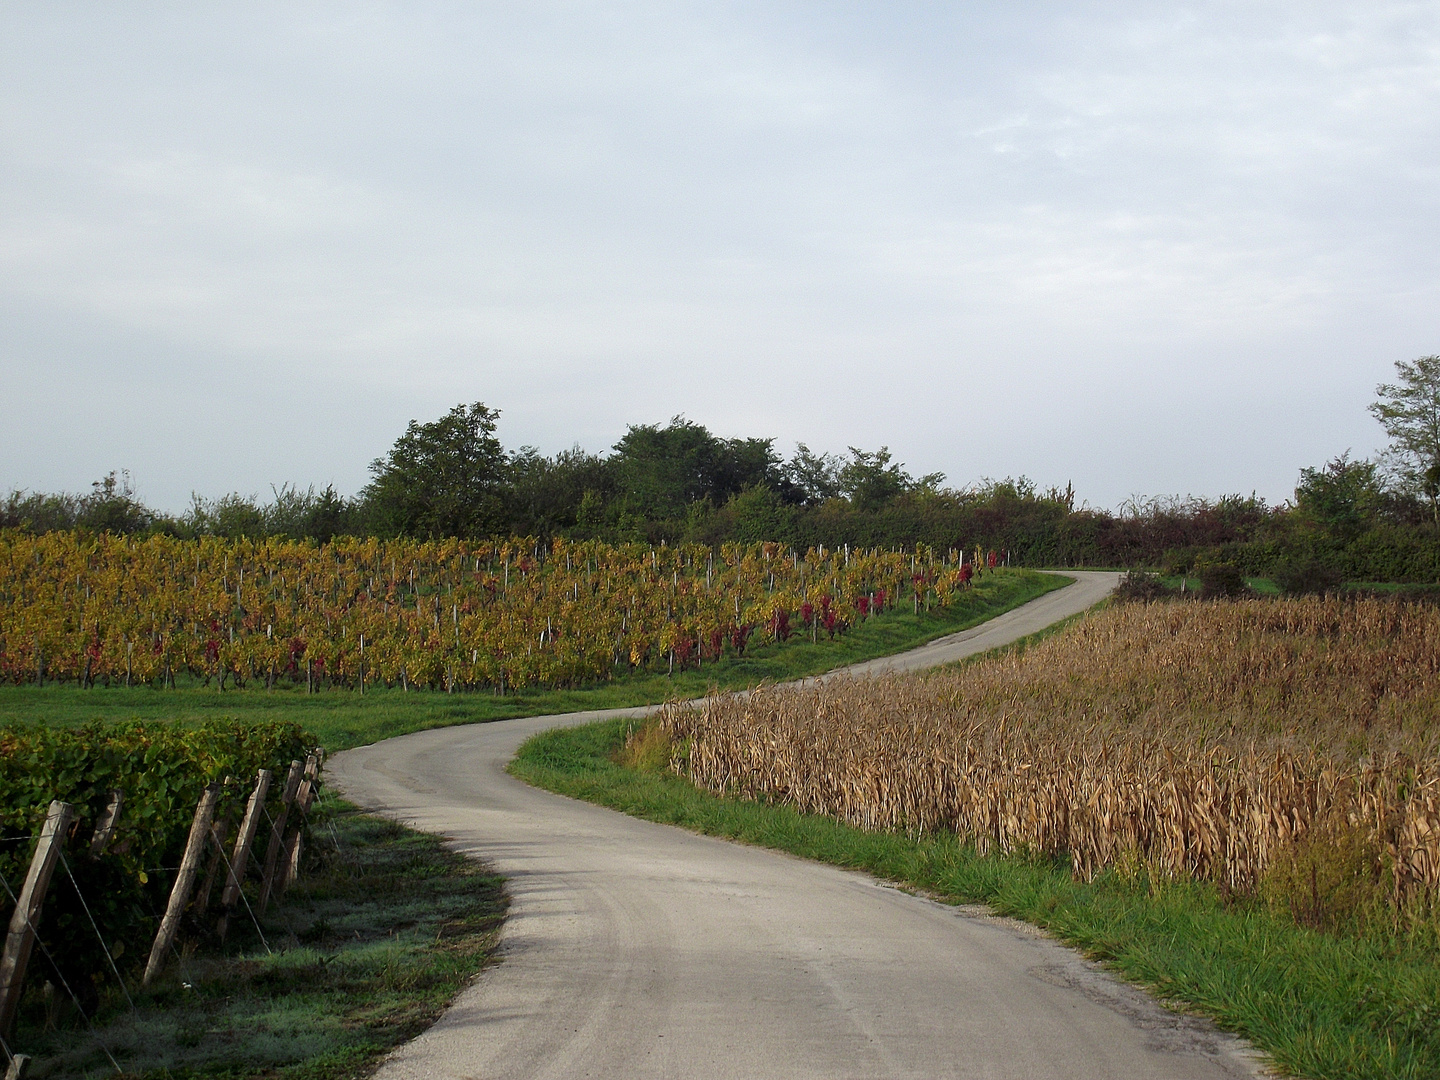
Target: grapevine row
<point x="449" y="615"/>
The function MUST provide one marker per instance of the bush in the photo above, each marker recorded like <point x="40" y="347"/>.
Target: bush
<point x="1307" y="577"/>
<point x="1220" y="581"/>
<point x="1142" y="587"/>
<point x="1333" y="880"/>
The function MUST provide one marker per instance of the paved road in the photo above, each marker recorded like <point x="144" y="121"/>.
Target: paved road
<point x="637" y="950"/>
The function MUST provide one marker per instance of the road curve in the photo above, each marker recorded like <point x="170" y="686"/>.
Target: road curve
<point x="640" y="950"/>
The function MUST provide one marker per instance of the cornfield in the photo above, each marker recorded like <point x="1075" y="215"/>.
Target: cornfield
<point x="1197" y="739"/>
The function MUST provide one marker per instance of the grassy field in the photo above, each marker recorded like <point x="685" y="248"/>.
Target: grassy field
<point x="1324" y="1005"/>
<point x="344" y="718"/>
<point x="364" y="952"/>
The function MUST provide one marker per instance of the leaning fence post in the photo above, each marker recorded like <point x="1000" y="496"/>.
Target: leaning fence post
<point x="277" y="833"/>
<point x="249" y="825"/>
<point x="304" y="797"/>
<point x="21" y="938"/>
<point x="184" y="881"/>
<point x="219" y="833"/>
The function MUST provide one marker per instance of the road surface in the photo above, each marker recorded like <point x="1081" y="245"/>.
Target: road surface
<point x="636" y="950"/>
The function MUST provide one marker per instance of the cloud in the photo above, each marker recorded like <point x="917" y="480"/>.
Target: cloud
<point x="1152" y="249"/>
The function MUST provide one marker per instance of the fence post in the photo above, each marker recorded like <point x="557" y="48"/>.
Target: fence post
<point x="184" y="881"/>
<point x="304" y="798"/>
<point x="21" y="938"/>
<point x="277" y="833"/>
<point x="219" y="833"/>
<point x="105" y="827"/>
<point x="249" y="825"/>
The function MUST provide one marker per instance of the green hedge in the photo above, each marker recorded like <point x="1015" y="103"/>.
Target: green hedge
<point x="162" y="770"/>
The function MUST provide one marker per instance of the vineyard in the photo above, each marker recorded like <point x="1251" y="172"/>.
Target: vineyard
<point x="1206" y="741"/>
<point x="444" y="615"/>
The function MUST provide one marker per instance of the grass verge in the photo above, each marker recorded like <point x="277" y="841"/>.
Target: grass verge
<point x="343" y="718"/>
<point x="365" y="951"/>
<point x="1319" y="1005"/>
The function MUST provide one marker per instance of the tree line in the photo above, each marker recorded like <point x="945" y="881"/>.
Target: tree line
<point x="1350" y="518"/>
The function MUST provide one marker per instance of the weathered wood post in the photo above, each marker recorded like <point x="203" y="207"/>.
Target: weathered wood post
<point x="304" y="799"/>
<point x="249" y="825"/>
<point x="105" y="827"/>
<point x="277" y="833"/>
<point x="184" y="881"/>
<point x="21" y="938"/>
<point x="219" y="833"/>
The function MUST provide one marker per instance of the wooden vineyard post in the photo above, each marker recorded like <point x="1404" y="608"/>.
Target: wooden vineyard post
<point x="21" y="938"/>
<point x="184" y="881"/>
<point x="249" y="825"/>
<point x="105" y="827"/>
<point x="277" y="833"/>
<point x="304" y="798"/>
<point x="219" y="833"/>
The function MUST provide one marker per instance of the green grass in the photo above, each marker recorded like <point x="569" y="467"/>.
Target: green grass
<point x="1337" y="1008"/>
<point x="344" y="718"/>
<point x="369" y="946"/>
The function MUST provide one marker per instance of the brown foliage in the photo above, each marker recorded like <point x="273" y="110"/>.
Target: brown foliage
<point x="1203" y="739"/>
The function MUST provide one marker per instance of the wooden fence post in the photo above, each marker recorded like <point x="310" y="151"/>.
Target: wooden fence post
<point x="304" y="798"/>
<point x="105" y="827"/>
<point x="184" y="881"/>
<point x="219" y="833"/>
<point x="277" y="833"/>
<point x="21" y="938"/>
<point x="249" y="825"/>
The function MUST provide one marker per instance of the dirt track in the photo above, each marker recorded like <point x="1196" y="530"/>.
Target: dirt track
<point x="640" y="950"/>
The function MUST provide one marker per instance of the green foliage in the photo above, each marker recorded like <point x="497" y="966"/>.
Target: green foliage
<point x="441" y="479"/>
<point x="1306" y="577"/>
<point x="162" y="770"/>
<point x="1342" y="499"/>
<point x="383" y="928"/>
<point x="1409" y="411"/>
<point x="1221" y="581"/>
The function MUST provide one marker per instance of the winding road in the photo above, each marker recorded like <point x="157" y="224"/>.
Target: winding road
<point x="636" y="950"/>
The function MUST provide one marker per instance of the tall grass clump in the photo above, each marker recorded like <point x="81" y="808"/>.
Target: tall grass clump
<point x="1285" y="749"/>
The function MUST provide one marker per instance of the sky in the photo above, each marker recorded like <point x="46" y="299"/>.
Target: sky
<point x="1147" y="248"/>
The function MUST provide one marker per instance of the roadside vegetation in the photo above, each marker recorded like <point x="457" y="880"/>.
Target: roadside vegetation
<point x="1233" y="803"/>
<point x="380" y="932"/>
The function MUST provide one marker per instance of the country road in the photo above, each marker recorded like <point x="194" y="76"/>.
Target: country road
<point x="639" y="950"/>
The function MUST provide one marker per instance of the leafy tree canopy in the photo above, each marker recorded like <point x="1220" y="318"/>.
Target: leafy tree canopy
<point x="1409" y="411"/>
<point x="444" y="478"/>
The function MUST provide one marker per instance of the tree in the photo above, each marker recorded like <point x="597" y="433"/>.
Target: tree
<point x="869" y="480"/>
<point x="1409" y="411"/>
<point x="1341" y="499"/>
<point x="816" y="477"/>
<point x="444" y="478"/>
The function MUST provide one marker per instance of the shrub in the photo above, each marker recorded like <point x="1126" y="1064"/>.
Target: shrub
<point x="1219" y="581"/>
<point x="1332" y="879"/>
<point x="1141" y="586"/>
<point x="1307" y="577"/>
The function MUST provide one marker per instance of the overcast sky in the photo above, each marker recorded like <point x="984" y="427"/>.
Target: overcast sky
<point x="1147" y="247"/>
